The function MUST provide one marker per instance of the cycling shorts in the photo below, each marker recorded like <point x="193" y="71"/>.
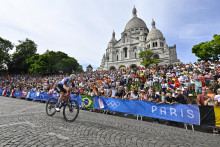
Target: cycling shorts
<point x="60" y="88"/>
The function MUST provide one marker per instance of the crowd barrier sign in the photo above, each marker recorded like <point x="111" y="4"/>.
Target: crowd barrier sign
<point x="191" y="114"/>
<point x="179" y="112"/>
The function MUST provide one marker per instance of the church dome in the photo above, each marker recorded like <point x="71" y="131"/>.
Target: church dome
<point x="135" y="22"/>
<point x="154" y="33"/>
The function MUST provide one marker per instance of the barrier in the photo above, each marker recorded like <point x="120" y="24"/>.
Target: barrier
<point x="178" y="112"/>
<point x="190" y="114"/>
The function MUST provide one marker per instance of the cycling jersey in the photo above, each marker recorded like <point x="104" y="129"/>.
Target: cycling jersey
<point x="66" y="82"/>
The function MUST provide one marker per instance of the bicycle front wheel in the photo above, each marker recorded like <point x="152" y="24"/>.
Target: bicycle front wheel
<point x="71" y="110"/>
<point x="50" y="106"/>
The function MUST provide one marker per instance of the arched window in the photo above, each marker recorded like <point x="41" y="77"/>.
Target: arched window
<point x="126" y="52"/>
<point x="155" y="44"/>
<point x="156" y="56"/>
<point x="135" y="55"/>
<point x="117" y="57"/>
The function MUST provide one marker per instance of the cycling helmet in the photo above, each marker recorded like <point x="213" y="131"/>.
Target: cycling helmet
<point x="73" y="76"/>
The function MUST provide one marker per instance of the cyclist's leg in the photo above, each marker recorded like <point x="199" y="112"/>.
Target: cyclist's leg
<point x="61" y="96"/>
<point x="61" y="92"/>
<point x="60" y="99"/>
<point x="58" y="105"/>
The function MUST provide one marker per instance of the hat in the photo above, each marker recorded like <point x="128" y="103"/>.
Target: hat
<point x="185" y="87"/>
<point x="178" y="89"/>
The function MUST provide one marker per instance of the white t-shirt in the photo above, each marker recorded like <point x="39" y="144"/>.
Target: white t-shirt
<point x="217" y="98"/>
<point x="134" y="96"/>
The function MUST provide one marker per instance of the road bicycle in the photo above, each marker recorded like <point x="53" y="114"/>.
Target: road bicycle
<point x="70" y="108"/>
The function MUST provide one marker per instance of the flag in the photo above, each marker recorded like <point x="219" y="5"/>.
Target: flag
<point x="28" y="95"/>
<point x="102" y="103"/>
<point x="8" y="92"/>
<point x="87" y="101"/>
<point x="24" y="93"/>
<point x="12" y="93"/>
<point x="1" y="90"/>
<point x="4" y="92"/>
<point x="209" y="116"/>
<point x="17" y="94"/>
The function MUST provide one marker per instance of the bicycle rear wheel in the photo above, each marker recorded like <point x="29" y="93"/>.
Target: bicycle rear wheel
<point x="71" y="110"/>
<point x="50" y="106"/>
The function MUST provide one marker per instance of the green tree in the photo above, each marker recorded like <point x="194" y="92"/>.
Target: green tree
<point x="26" y="49"/>
<point x="39" y="64"/>
<point x="208" y="51"/>
<point x="67" y="65"/>
<point x="52" y="62"/>
<point x="5" y="47"/>
<point x="146" y="58"/>
<point x="79" y="69"/>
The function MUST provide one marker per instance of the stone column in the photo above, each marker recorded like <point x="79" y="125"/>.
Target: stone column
<point x="119" y="56"/>
<point x="151" y="44"/>
<point x="111" y="57"/>
<point x="128" y="54"/>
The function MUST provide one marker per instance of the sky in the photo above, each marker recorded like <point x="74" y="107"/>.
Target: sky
<point x="83" y="28"/>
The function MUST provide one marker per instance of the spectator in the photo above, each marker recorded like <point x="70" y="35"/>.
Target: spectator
<point x="134" y="94"/>
<point x="190" y="99"/>
<point x="107" y="92"/>
<point x="217" y="103"/>
<point x="202" y="99"/>
<point x="143" y="96"/>
<point x="154" y="97"/>
<point x="179" y="97"/>
<point x="170" y="99"/>
<point x="217" y="98"/>
<point x="127" y="93"/>
<point x="120" y="92"/>
<point x="198" y="86"/>
<point x="208" y="77"/>
<point x="210" y="94"/>
<point x="113" y="92"/>
<point x="185" y="91"/>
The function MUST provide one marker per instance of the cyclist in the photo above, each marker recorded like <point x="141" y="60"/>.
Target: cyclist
<point x="63" y="88"/>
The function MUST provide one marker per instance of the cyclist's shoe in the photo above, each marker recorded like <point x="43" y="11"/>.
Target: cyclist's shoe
<point x="57" y="109"/>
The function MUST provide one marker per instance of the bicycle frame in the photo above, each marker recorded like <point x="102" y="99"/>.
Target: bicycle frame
<point x="67" y="98"/>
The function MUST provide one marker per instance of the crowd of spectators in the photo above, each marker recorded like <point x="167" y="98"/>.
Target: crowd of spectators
<point x="191" y="83"/>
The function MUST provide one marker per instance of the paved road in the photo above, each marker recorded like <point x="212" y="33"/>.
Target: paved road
<point x="25" y="123"/>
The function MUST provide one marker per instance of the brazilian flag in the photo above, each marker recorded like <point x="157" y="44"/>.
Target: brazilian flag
<point x="87" y="101"/>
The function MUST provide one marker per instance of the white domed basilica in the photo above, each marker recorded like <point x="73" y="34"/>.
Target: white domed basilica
<point x="135" y="38"/>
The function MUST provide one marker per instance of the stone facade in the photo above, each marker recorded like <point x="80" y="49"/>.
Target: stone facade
<point x="135" y="38"/>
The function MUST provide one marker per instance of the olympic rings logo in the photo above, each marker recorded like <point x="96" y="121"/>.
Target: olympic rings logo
<point x="113" y="104"/>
